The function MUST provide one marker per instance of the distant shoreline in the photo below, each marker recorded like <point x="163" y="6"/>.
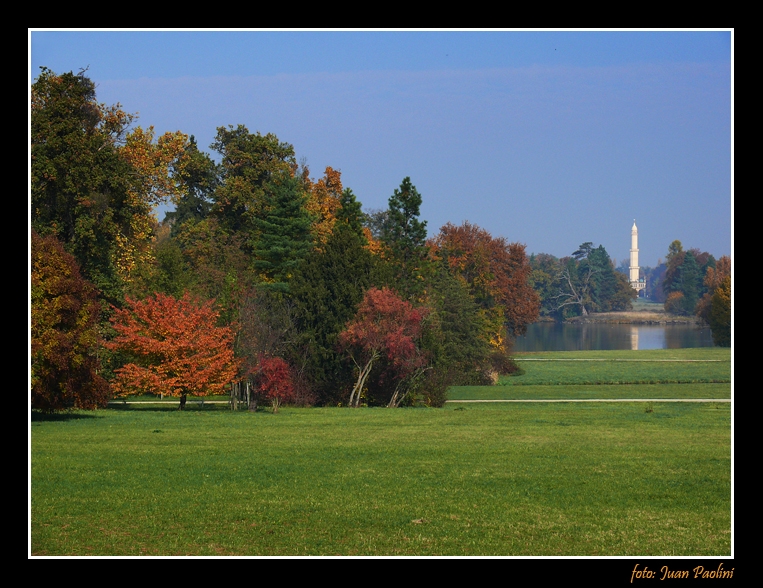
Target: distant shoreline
<point x="637" y="317"/>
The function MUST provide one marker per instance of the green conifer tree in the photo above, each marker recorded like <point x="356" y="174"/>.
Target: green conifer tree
<point x="405" y="237"/>
<point x="283" y="234"/>
<point x="326" y="290"/>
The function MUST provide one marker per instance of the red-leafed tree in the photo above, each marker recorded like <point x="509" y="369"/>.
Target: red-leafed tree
<point x="65" y="316"/>
<point x="175" y="348"/>
<point x="273" y="381"/>
<point x="385" y="327"/>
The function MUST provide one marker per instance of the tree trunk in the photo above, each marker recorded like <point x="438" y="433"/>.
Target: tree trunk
<point x="183" y="398"/>
<point x="251" y="399"/>
<point x="362" y="375"/>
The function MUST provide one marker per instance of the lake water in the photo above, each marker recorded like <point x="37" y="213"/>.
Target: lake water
<point x="570" y="337"/>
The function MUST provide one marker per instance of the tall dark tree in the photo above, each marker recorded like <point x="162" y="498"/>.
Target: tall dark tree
<point x="350" y="213"/>
<point x="326" y="291"/>
<point x="544" y="270"/>
<point x="198" y="179"/>
<point x="250" y="164"/>
<point x="283" y="233"/>
<point x="691" y="281"/>
<point x="455" y="333"/>
<point x="610" y="291"/>
<point x="405" y="236"/>
<point x="80" y="185"/>
<point x="675" y="258"/>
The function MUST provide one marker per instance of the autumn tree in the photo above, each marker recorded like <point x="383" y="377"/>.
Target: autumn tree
<point x="714" y="277"/>
<point x="95" y="181"/>
<point x="175" y="348"/>
<point x="720" y="314"/>
<point x="323" y="202"/>
<point x="65" y="313"/>
<point x="497" y="275"/>
<point x="386" y="329"/>
<point x="273" y="381"/>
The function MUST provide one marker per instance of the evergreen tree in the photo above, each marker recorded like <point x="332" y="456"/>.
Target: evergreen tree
<point x="283" y="234"/>
<point x="691" y="282"/>
<point x="350" y="213"/>
<point x="326" y="290"/>
<point x="610" y="291"/>
<point x="405" y="237"/>
<point x="457" y="334"/>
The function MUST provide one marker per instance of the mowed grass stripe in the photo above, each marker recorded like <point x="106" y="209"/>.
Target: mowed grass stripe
<point x="588" y="392"/>
<point x="659" y="366"/>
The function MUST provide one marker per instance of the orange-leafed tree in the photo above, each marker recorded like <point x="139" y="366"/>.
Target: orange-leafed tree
<point x="324" y="202"/>
<point x="174" y="347"/>
<point x="497" y="273"/>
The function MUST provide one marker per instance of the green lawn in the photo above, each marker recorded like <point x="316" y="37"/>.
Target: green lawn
<point x="506" y="479"/>
<point x="611" y="478"/>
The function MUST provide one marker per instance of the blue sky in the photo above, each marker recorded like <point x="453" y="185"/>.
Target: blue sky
<point x="547" y="138"/>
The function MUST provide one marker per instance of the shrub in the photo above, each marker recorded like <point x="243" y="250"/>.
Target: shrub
<point x="274" y="381"/>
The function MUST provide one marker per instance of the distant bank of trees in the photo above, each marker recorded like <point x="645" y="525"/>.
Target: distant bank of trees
<point x="580" y="284"/>
<point x="262" y="274"/>
<point x="690" y="282"/>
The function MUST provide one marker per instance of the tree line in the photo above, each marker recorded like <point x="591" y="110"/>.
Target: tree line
<point x="262" y="274"/>
<point x="267" y="276"/>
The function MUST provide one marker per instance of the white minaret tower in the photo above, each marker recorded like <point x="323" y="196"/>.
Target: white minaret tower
<point x="637" y="283"/>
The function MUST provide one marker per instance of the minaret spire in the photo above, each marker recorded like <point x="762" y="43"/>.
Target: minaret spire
<point x="637" y="283"/>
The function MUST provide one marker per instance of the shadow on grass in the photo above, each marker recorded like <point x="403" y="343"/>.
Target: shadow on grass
<point x="39" y="416"/>
<point x="166" y="407"/>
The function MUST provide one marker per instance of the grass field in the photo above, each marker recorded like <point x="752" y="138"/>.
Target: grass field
<point x="468" y="479"/>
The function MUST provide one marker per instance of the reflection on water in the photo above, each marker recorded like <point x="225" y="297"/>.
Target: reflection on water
<point x="570" y="337"/>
